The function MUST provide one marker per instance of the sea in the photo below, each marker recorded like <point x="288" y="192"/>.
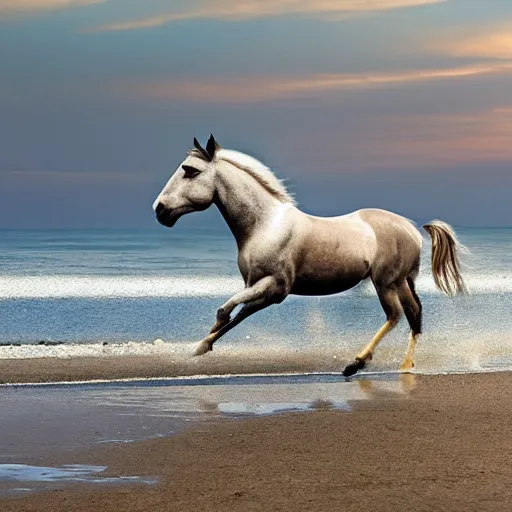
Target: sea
<point x="67" y="293"/>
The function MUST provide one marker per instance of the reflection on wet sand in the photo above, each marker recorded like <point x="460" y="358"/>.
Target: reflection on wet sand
<point x="16" y="479"/>
<point x="272" y="398"/>
<point x="63" y="418"/>
<point x="74" y="416"/>
<point x="405" y="384"/>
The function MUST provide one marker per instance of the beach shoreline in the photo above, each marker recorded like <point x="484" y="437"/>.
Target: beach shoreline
<point x="40" y="370"/>
<point x="444" y="447"/>
<point x="29" y="364"/>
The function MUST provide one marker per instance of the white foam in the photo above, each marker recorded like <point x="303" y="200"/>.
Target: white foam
<point x="477" y="284"/>
<point x="58" y="286"/>
<point x="67" y="351"/>
<point x="110" y="287"/>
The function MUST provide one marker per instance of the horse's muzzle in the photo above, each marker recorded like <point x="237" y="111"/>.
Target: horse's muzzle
<point x="165" y="216"/>
<point x="168" y="217"/>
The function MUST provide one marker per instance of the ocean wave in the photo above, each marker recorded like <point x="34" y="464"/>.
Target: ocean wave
<point x="73" y="350"/>
<point x="477" y="284"/>
<point x="110" y="287"/>
<point x="102" y="287"/>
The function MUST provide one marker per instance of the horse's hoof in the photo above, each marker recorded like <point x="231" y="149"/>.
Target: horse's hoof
<point x="203" y="348"/>
<point x="353" y="368"/>
<point x="407" y="364"/>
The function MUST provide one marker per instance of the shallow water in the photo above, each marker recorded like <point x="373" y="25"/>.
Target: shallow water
<point x="34" y="478"/>
<point x="55" y="417"/>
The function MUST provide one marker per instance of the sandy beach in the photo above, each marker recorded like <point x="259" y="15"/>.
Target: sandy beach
<point x="163" y="364"/>
<point x="445" y="447"/>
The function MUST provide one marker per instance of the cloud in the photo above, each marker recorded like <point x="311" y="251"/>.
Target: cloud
<point x="253" y="9"/>
<point x="28" y="6"/>
<point x="268" y="88"/>
<point x="476" y="136"/>
<point x="492" y="42"/>
<point x="416" y="142"/>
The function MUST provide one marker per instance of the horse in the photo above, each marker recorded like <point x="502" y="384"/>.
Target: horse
<point x="283" y="251"/>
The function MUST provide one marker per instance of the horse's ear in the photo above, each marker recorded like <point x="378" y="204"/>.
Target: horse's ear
<point x="201" y="150"/>
<point x="211" y="147"/>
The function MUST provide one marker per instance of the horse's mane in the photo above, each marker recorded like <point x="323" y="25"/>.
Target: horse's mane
<point x="256" y="169"/>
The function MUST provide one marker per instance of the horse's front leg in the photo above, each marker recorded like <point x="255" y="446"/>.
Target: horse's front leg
<point x="248" y="294"/>
<point x="248" y="309"/>
<point x="265" y="292"/>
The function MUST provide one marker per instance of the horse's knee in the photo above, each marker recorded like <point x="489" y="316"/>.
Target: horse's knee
<point x="222" y="314"/>
<point x="413" y="313"/>
<point x="394" y="317"/>
<point x="222" y="318"/>
<point x="418" y="319"/>
<point x="416" y="324"/>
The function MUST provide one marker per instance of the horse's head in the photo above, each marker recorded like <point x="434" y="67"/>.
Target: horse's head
<point x="192" y="186"/>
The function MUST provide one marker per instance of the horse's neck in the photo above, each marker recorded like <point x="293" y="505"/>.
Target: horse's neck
<point x="243" y="203"/>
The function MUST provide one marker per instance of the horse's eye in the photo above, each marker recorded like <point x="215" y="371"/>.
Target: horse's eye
<point x="190" y="172"/>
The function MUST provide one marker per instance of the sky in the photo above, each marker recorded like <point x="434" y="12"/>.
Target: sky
<point x="397" y="104"/>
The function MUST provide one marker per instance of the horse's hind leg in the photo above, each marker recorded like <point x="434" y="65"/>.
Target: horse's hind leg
<point x="413" y="312"/>
<point x="389" y="299"/>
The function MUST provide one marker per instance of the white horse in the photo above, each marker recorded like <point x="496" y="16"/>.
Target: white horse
<point x="282" y="250"/>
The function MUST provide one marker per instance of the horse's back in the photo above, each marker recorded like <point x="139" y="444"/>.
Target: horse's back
<point x="398" y="245"/>
<point x="389" y="224"/>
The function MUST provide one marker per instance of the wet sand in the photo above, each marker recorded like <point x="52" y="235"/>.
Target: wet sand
<point x="41" y="370"/>
<point x="447" y="447"/>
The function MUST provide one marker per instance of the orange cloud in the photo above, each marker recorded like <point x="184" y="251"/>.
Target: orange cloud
<point x="267" y="88"/>
<point x="481" y="136"/>
<point x="409" y="142"/>
<point x="492" y="42"/>
<point x="253" y="9"/>
<point x="24" y="6"/>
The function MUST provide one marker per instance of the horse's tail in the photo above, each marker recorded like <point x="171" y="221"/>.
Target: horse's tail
<point x="445" y="258"/>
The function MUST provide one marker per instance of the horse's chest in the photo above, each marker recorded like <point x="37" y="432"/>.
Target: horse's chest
<point x="249" y="267"/>
<point x="243" y="266"/>
<point x="255" y="265"/>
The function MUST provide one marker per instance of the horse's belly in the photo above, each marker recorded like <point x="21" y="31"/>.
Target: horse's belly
<point x="325" y="273"/>
<point x="306" y="286"/>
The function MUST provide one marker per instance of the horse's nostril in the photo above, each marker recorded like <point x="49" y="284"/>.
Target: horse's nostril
<point x="159" y="208"/>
